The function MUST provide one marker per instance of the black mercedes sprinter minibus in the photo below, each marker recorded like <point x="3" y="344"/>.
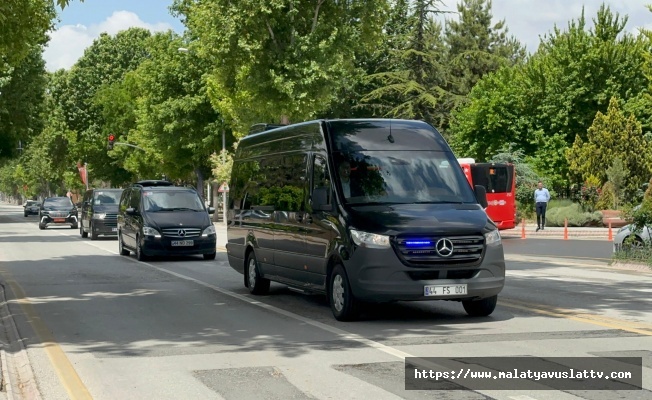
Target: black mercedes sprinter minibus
<point x="362" y="210"/>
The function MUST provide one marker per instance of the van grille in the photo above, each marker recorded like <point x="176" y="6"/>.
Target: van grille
<point x="111" y="220"/>
<point x="422" y="251"/>
<point x="181" y="233"/>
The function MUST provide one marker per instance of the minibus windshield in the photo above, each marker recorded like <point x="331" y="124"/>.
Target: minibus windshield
<point x="402" y="177"/>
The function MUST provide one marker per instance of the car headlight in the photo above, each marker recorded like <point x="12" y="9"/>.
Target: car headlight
<point x="99" y="216"/>
<point x="492" y="238"/>
<point x="149" y="231"/>
<point x="209" y="231"/>
<point x="370" y="240"/>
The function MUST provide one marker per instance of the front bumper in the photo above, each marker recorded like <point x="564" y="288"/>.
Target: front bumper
<point x="68" y="219"/>
<point x="377" y="275"/>
<point x="154" y="246"/>
<point x="104" y="227"/>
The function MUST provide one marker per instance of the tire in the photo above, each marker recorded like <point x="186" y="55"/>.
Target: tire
<point x="140" y="255"/>
<point x="121" y="248"/>
<point x="76" y="226"/>
<point x="344" y="305"/>
<point x="25" y="215"/>
<point x="256" y="283"/>
<point x="41" y="226"/>
<point x="481" y="308"/>
<point x="81" y="231"/>
<point x="93" y="234"/>
<point x="210" y="256"/>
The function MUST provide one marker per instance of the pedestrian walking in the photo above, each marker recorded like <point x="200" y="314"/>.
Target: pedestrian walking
<point x="541" y="199"/>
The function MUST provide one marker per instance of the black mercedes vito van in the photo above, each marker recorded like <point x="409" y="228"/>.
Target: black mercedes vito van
<point x="158" y="218"/>
<point x="373" y="210"/>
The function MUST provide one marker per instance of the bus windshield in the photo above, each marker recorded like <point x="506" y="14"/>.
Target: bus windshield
<point x="402" y="177"/>
<point x="495" y="178"/>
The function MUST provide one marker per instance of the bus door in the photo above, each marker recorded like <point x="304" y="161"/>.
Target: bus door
<point x="499" y="181"/>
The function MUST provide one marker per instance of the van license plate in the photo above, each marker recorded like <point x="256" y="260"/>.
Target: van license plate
<point x="444" y="290"/>
<point x="183" y="243"/>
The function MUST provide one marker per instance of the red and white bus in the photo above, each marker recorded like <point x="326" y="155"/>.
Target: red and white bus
<point x="499" y="179"/>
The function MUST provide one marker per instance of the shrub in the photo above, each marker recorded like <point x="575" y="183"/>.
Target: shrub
<point x="607" y="198"/>
<point x="576" y="216"/>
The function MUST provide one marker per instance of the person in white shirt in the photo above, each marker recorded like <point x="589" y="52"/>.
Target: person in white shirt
<point x="541" y="199"/>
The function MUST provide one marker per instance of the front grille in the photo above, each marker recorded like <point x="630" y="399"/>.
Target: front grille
<point x="421" y="251"/>
<point x="176" y="232"/>
<point x="59" y="214"/>
<point x="111" y="220"/>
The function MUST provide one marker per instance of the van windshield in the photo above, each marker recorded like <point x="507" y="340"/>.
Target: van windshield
<point x="171" y="200"/>
<point x="106" y="198"/>
<point x="402" y="177"/>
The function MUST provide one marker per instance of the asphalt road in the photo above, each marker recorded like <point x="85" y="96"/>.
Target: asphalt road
<point x="103" y="326"/>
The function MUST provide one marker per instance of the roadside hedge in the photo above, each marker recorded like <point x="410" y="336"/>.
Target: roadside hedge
<point x="576" y="217"/>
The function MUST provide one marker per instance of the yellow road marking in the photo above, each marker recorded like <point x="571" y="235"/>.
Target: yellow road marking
<point x="607" y="322"/>
<point x="66" y="372"/>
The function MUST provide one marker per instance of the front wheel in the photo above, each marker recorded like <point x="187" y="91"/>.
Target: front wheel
<point x="257" y="284"/>
<point x="480" y="308"/>
<point x="140" y="255"/>
<point x="121" y="248"/>
<point x="41" y="226"/>
<point x="344" y="305"/>
<point x="93" y="234"/>
<point x="81" y="231"/>
<point x="210" y="256"/>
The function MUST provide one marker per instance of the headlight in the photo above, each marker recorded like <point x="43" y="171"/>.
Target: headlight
<point x="370" y="240"/>
<point x="492" y="238"/>
<point x="99" y="216"/>
<point x="149" y="231"/>
<point x="209" y="231"/>
<point x="626" y="227"/>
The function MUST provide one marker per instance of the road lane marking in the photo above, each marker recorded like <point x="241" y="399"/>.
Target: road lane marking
<point x="60" y="362"/>
<point x="594" y="319"/>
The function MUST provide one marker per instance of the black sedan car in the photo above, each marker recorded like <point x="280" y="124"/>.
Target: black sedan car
<point x="58" y="211"/>
<point x="31" y="207"/>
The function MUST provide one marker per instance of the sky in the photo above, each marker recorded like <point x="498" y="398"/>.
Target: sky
<point x="527" y="20"/>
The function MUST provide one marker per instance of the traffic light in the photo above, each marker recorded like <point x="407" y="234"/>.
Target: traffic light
<point x="111" y="141"/>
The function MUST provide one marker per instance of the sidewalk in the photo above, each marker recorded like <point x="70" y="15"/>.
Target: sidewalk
<point x="557" y="232"/>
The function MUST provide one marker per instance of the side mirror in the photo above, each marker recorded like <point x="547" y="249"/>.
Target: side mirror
<point x="320" y="199"/>
<point x="131" y="211"/>
<point x="481" y="195"/>
<point x="211" y="210"/>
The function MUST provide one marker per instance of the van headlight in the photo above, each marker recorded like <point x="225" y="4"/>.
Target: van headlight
<point x="370" y="240"/>
<point x="149" y="231"/>
<point x="99" y="216"/>
<point x="209" y="231"/>
<point x="492" y="238"/>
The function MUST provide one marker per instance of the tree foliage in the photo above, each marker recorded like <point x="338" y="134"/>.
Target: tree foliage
<point x="279" y="58"/>
<point x="613" y="136"/>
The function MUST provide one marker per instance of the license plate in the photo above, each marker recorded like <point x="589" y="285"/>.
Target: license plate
<point x="182" y="243"/>
<point x="59" y="220"/>
<point x="444" y="290"/>
<point x="114" y="229"/>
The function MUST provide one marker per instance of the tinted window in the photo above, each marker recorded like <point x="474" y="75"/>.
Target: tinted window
<point x="106" y="198"/>
<point x="134" y="201"/>
<point x="352" y="136"/>
<point x="58" y="202"/>
<point x="402" y="177"/>
<point x="321" y="178"/>
<point x="495" y="178"/>
<point x="171" y="200"/>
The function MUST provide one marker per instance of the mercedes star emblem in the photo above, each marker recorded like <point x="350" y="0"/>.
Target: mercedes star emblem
<point x="444" y="247"/>
<point x="181" y="232"/>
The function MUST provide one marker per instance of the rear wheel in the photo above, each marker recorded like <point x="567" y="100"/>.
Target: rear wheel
<point x="344" y="305"/>
<point x="481" y="308"/>
<point x="257" y="284"/>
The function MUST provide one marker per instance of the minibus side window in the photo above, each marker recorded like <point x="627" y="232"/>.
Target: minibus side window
<point x="321" y="178"/>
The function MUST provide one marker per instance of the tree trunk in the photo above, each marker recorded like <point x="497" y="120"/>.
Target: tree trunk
<point x="200" y="183"/>
<point x="285" y="120"/>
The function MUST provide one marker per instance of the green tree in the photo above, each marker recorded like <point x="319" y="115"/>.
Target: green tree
<point x="175" y="118"/>
<point x="616" y="175"/>
<point x="23" y="26"/>
<point x="279" y="59"/>
<point x="613" y="135"/>
<point x="476" y="46"/>
<point x="413" y="89"/>
<point x="21" y="103"/>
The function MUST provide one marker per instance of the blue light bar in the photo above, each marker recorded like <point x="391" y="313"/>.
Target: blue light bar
<point x="418" y="243"/>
